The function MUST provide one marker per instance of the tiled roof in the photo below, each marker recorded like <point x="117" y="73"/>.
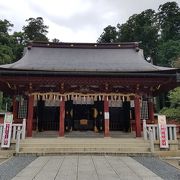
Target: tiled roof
<point x="90" y="57"/>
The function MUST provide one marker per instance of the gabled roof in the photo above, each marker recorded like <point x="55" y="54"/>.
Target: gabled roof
<point x="85" y="57"/>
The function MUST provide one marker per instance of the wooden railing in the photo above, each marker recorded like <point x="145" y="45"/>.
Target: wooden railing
<point x="171" y="129"/>
<point x="15" y="129"/>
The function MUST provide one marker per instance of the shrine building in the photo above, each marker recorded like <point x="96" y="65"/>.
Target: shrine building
<point x="95" y="87"/>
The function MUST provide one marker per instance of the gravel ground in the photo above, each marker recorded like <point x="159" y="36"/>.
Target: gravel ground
<point x="14" y="165"/>
<point x="160" y="168"/>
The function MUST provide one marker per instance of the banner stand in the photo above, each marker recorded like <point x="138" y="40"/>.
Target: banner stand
<point x="7" y="130"/>
<point x="163" y="134"/>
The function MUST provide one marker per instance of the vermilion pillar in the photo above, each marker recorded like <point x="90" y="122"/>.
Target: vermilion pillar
<point x="61" y="117"/>
<point x="137" y="115"/>
<point x="106" y="117"/>
<point x="151" y="110"/>
<point x="15" y="109"/>
<point x="30" y="116"/>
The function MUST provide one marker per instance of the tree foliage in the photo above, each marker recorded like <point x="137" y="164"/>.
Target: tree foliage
<point x="109" y="35"/>
<point x="12" y="45"/>
<point x="169" y="21"/>
<point x="141" y="27"/>
<point x="6" y="54"/>
<point x="176" y="63"/>
<point x="5" y="26"/>
<point x="35" y="30"/>
<point x="55" y="40"/>
<point x="174" y="97"/>
<point x="158" y="32"/>
<point x="169" y="53"/>
<point x="6" y="42"/>
<point x="173" y="111"/>
<point x="19" y="44"/>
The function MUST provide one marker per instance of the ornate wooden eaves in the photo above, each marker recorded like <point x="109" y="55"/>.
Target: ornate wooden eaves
<point x="146" y="85"/>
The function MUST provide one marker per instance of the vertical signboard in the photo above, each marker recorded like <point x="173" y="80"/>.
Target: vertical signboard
<point x="163" y="135"/>
<point x="6" y="137"/>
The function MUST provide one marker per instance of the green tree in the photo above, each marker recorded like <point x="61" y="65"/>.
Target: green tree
<point x="169" y="21"/>
<point x="139" y="27"/>
<point x="168" y="18"/>
<point x="55" y="40"/>
<point x="5" y="26"/>
<point x="6" y="54"/>
<point x="176" y="63"/>
<point x="142" y="27"/>
<point x="168" y="53"/>
<point x="6" y="51"/>
<point x="173" y="112"/>
<point x="35" y="30"/>
<point x="18" y="44"/>
<point x="174" y="97"/>
<point x="109" y="35"/>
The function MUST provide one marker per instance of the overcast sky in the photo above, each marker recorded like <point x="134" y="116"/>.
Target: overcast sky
<point x="74" y="20"/>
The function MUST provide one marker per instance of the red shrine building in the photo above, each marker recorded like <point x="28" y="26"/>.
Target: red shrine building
<point x="68" y="87"/>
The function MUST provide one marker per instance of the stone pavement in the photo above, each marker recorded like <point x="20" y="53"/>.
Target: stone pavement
<point x="80" y="167"/>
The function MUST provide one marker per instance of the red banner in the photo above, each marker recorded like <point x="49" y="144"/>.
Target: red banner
<point x="6" y="138"/>
<point x="163" y="135"/>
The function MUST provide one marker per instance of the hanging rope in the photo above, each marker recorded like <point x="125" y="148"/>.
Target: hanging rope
<point x="84" y="97"/>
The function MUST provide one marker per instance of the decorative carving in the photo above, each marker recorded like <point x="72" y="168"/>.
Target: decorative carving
<point x="106" y="86"/>
<point x="62" y="87"/>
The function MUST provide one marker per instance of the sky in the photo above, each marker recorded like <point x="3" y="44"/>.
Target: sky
<point x="74" y="20"/>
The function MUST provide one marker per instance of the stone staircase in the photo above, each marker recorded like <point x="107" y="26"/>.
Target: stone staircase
<point x="6" y="153"/>
<point x="123" y="146"/>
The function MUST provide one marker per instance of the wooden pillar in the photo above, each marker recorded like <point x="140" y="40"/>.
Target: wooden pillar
<point x="30" y="115"/>
<point x="137" y="115"/>
<point x="151" y="110"/>
<point x="61" y="117"/>
<point x="15" y="109"/>
<point x="106" y="117"/>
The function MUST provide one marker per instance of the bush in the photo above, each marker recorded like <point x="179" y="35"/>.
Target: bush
<point x="171" y="113"/>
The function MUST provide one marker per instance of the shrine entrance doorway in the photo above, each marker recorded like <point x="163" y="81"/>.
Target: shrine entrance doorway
<point x="83" y="118"/>
<point x="47" y="116"/>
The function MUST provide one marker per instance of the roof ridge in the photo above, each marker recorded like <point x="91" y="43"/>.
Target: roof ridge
<point x="120" y="45"/>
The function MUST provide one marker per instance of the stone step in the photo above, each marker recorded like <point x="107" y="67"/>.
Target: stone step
<point x="168" y="153"/>
<point x="132" y="154"/>
<point x="83" y="149"/>
<point x="82" y="140"/>
<point x="84" y="145"/>
<point x="6" y="153"/>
